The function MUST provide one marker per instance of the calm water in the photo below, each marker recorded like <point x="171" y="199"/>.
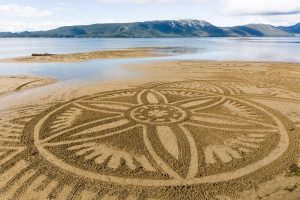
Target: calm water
<point x="246" y="49"/>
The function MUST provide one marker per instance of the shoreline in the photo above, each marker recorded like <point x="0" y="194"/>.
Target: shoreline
<point x="153" y="70"/>
<point x="10" y="84"/>
<point x="87" y="56"/>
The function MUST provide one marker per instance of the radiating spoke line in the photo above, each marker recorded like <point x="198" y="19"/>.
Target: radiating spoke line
<point x="233" y="120"/>
<point x="184" y="93"/>
<point x="12" y="147"/>
<point x="195" y="99"/>
<point x="205" y="96"/>
<point x="195" y="103"/>
<point x="108" y="102"/>
<point x="103" y="127"/>
<point x="109" y="95"/>
<point x="9" y="139"/>
<point x="109" y="111"/>
<point x="218" y="120"/>
<point x="89" y="138"/>
<point x="77" y="127"/>
<point x="210" y="105"/>
<point x="16" y="151"/>
<point x="193" y="123"/>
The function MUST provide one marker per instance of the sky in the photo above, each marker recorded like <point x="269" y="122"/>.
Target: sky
<point x="30" y="15"/>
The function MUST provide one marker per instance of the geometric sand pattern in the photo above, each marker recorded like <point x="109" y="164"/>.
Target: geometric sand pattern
<point x="123" y="144"/>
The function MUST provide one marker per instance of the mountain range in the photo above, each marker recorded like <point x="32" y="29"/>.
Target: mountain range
<point x="162" y="29"/>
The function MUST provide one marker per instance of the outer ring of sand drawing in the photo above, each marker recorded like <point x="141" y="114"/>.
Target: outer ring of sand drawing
<point x="282" y="147"/>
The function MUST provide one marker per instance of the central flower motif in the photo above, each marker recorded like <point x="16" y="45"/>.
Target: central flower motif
<point x="161" y="114"/>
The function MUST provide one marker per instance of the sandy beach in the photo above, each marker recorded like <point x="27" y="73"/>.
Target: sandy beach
<point x="81" y="57"/>
<point x="150" y="100"/>
<point x="183" y="130"/>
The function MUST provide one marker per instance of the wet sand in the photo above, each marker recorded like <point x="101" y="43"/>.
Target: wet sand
<point x="10" y="84"/>
<point x="185" y="130"/>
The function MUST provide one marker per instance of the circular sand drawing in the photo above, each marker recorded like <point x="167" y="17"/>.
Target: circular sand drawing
<point x="182" y="133"/>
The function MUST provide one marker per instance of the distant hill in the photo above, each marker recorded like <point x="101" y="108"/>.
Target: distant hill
<point x="164" y="29"/>
<point x="258" y="30"/>
<point x="291" y="29"/>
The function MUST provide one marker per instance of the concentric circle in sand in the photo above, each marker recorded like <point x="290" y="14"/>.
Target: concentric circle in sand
<point x="183" y="133"/>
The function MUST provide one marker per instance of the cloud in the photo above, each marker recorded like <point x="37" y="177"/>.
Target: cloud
<point x="18" y="26"/>
<point x="64" y="7"/>
<point x="261" y="7"/>
<point x="151" y="1"/>
<point x="22" y="11"/>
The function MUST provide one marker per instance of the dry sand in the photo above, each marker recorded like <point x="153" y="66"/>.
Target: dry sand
<point x="10" y="84"/>
<point x="80" y="57"/>
<point x="186" y="130"/>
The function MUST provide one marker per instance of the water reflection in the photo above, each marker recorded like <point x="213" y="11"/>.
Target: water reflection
<point x="101" y="70"/>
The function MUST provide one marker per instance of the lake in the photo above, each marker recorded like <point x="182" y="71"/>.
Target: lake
<point x="232" y="49"/>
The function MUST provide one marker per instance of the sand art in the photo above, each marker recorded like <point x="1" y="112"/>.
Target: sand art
<point x="191" y="139"/>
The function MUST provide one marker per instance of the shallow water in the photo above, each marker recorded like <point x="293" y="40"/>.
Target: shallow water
<point x="240" y="49"/>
